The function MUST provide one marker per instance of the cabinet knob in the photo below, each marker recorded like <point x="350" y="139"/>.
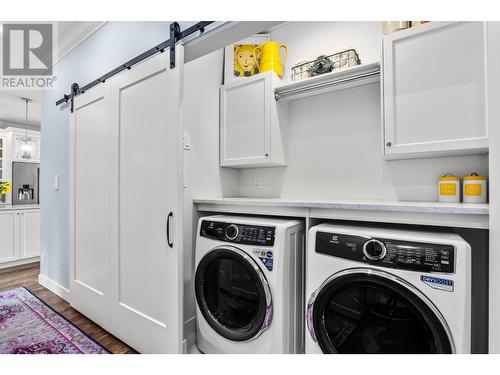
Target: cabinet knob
<point x="266" y="155"/>
<point x="388" y="144"/>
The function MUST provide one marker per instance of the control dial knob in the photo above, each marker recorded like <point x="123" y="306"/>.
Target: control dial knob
<point x="232" y="232"/>
<point x="374" y="249"/>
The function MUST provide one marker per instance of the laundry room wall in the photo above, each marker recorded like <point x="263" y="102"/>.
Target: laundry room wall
<point x="334" y="144"/>
<point x="335" y="139"/>
<point x="202" y="175"/>
<point x="308" y="40"/>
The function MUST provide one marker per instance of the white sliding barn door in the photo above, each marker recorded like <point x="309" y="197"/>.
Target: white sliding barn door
<point x="146" y="287"/>
<point x="89" y="191"/>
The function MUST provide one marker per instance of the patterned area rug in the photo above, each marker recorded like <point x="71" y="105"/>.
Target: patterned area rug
<point x="29" y="326"/>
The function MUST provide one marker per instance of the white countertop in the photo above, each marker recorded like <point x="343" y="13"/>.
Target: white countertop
<point x="9" y="207"/>
<point x="461" y="215"/>
<point x="370" y="205"/>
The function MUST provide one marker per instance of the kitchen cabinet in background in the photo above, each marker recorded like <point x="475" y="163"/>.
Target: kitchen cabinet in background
<point x="8" y="234"/>
<point x="20" y="236"/>
<point x="434" y="90"/>
<point x="29" y="233"/>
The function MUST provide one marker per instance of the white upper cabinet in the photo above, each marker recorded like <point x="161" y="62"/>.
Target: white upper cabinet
<point x="251" y="135"/>
<point x="434" y="90"/>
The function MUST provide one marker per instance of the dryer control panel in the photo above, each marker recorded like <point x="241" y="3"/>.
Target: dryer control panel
<point x="391" y="253"/>
<point x="238" y="233"/>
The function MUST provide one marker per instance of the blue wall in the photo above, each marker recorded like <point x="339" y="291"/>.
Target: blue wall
<point x="113" y="44"/>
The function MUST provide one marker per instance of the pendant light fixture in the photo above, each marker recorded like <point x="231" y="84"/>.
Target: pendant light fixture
<point x="26" y="149"/>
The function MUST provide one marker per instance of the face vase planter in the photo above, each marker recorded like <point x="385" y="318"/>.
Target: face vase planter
<point x="245" y="60"/>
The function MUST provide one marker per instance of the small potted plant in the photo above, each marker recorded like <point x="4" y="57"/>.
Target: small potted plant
<point x="5" y="187"/>
<point x="322" y="65"/>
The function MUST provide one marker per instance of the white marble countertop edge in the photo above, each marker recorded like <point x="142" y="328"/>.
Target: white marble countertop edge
<point x="9" y="207"/>
<point x="370" y="205"/>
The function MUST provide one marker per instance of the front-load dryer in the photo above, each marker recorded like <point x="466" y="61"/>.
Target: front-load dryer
<point x="380" y="290"/>
<point x="249" y="285"/>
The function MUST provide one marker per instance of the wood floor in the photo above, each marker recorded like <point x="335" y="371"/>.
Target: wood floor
<point x="27" y="276"/>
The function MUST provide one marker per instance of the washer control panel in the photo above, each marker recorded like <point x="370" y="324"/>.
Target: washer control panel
<point x="238" y="233"/>
<point x="384" y="252"/>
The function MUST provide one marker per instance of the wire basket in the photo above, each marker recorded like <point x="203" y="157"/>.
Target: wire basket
<point x="340" y="60"/>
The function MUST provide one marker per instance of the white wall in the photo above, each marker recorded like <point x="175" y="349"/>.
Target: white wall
<point x="308" y="40"/>
<point x="335" y="139"/>
<point x="494" y="134"/>
<point x="203" y="177"/>
<point x="335" y="148"/>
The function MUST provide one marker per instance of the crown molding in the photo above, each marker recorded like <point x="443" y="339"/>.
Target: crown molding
<point x="76" y="35"/>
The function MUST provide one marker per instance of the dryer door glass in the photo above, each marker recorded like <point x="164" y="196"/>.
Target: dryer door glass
<point x="366" y="313"/>
<point x="231" y="293"/>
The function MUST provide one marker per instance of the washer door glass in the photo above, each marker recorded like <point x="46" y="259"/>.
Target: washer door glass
<point x="366" y="313"/>
<point x="231" y="294"/>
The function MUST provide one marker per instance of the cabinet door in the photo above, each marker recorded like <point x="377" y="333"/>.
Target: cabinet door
<point x="89" y="190"/>
<point x="246" y="121"/>
<point x="8" y="236"/>
<point x="30" y="233"/>
<point x="434" y="90"/>
<point x="146" y="289"/>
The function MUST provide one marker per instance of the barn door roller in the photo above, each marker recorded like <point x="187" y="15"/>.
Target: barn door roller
<point x="175" y="32"/>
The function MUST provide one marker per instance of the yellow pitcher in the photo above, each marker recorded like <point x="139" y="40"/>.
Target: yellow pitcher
<point x="270" y="57"/>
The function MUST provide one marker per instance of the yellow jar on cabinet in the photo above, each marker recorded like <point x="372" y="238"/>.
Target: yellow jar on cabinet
<point x="270" y="57"/>
<point x="475" y="188"/>
<point x="449" y="189"/>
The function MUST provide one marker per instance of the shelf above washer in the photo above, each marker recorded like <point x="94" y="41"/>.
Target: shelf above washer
<point x="339" y="80"/>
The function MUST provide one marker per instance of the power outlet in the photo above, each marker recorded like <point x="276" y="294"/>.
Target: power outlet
<point x="257" y="183"/>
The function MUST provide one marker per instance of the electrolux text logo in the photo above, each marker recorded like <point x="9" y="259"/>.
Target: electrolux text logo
<point x="28" y="55"/>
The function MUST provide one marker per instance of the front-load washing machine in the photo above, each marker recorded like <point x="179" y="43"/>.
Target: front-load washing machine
<point x="380" y="290"/>
<point x="249" y="285"/>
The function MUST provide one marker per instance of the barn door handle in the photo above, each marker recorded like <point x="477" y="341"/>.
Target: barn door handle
<point x="170" y="244"/>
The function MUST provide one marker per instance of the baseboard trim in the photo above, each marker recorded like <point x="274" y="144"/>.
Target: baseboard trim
<point x="54" y="287"/>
